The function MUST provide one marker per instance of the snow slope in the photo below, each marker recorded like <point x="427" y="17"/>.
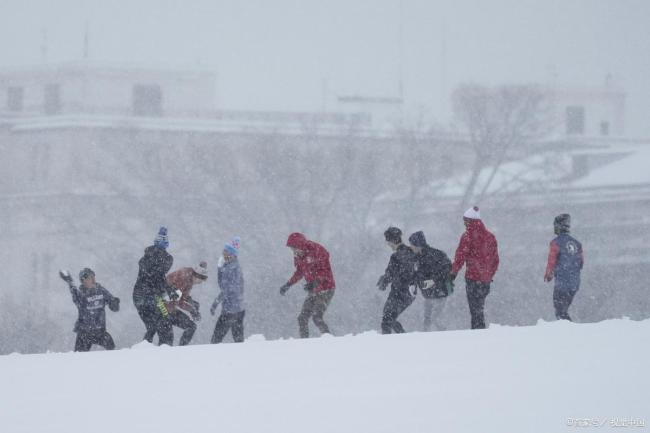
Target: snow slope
<point x="504" y="379"/>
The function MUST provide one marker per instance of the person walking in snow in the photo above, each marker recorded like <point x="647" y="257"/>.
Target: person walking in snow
<point x="151" y="290"/>
<point x="91" y="300"/>
<point x="231" y="297"/>
<point x="565" y="261"/>
<point x="400" y="275"/>
<point x="478" y="250"/>
<point x="432" y="278"/>
<point x="183" y="280"/>
<point x="312" y="262"/>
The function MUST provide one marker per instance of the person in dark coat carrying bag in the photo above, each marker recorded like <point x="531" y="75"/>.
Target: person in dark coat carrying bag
<point x="400" y="275"/>
<point x="151" y="290"/>
<point x="432" y="278"/>
<point x="565" y="261"/>
<point x="91" y="300"/>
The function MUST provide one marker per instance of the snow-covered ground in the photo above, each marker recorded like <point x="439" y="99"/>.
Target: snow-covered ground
<point x="553" y="377"/>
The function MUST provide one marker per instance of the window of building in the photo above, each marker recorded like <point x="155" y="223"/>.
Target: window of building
<point x="15" y="98"/>
<point x="52" y="104"/>
<point x="147" y="100"/>
<point x="604" y="128"/>
<point x="575" y="120"/>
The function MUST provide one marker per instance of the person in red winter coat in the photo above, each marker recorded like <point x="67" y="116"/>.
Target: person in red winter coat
<point x="312" y="262"/>
<point x="478" y="250"/>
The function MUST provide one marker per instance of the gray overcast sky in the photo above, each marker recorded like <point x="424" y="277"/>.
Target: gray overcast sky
<point x="276" y="54"/>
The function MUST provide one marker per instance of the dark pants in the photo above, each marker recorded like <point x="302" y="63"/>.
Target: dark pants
<point x="562" y="299"/>
<point x="225" y="323"/>
<point x="476" y="294"/>
<point x="85" y="339"/>
<point x="156" y="323"/>
<point x="182" y="321"/>
<point x="397" y="302"/>
<point x="314" y="307"/>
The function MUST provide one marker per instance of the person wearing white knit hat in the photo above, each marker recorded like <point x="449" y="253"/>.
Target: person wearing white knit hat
<point x="478" y="249"/>
<point x="472" y="213"/>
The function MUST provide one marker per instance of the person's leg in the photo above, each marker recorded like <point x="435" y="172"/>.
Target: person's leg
<point x="569" y="301"/>
<point x="182" y="321"/>
<point x="438" y="306"/>
<point x="428" y="311"/>
<point x="163" y="327"/>
<point x="321" y="303"/>
<point x="82" y="344"/>
<point x="106" y="341"/>
<point x="221" y="328"/>
<point x="389" y="314"/>
<point x="476" y="294"/>
<point x="305" y="313"/>
<point x="561" y="301"/>
<point x="403" y="303"/>
<point x="145" y="313"/>
<point x="238" y="327"/>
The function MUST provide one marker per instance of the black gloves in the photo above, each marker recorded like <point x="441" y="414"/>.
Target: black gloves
<point x="196" y="316"/>
<point x="284" y="288"/>
<point x="382" y="283"/>
<point x="452" y="277"/>
<point x="114" y="304"/>
<point x="310" y="286"/>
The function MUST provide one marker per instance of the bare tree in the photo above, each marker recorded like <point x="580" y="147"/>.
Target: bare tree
<point x="500" y="124"/>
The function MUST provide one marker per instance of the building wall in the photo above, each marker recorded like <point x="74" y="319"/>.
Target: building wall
<point x="599" y="105"/>
<point x="96" y="90"/>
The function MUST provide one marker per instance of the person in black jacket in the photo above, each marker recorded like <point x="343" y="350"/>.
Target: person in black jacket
<point x="432" y="278"/>
<point x="400" y="275"/>
<point x="91" y="299"/>
<point x="151" y="290"/>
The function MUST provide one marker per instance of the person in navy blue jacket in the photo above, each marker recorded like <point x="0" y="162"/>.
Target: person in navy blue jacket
<point x="565" y="261"/>
<point x="91" y="299"/>
<point x="231" y="296"/>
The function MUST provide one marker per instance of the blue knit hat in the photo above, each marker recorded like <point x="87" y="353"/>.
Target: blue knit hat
<point x="233" y="246"/>
<point x="161" y="240"/>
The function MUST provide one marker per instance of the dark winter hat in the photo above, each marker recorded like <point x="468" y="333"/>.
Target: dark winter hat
<point x="85" y="273"/>
<point x="417" y="239"/>
<point x="562" y="223"/>
<point x="162" y="240"/>
<point x="394" y="235"/>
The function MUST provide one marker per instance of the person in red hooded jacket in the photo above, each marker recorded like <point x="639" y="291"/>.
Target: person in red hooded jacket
<point x="312" y="262"/>
<point x="478" y="250"/>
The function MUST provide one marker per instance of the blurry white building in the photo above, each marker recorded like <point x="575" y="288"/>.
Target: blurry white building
<point x="589" y="111"/>
<point x="89" y="88"/>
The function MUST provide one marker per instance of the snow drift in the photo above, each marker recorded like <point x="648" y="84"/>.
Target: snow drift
<point x="553" y="377"/>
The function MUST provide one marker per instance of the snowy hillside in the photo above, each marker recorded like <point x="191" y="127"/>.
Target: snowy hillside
<point x="553" y="377"/>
